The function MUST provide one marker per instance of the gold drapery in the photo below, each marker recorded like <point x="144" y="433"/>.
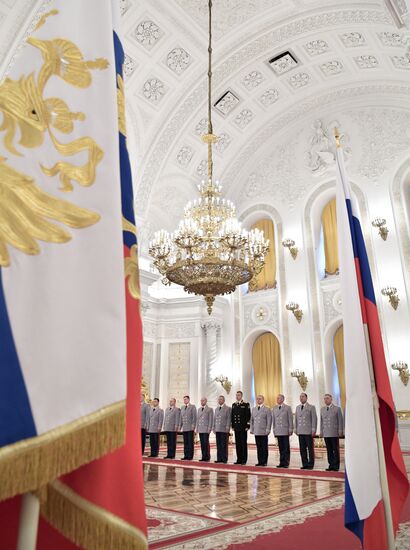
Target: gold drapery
<point x="340" y="363"/>
<point x="329" y="224"/>
<point x="267" y="367"/>
<point x="267" y="277"/>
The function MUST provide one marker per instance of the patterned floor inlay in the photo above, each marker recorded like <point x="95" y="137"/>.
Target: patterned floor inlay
<point x="166" y="524"/>
<point x="248" y="532"/>
<point x="229" y="496"/>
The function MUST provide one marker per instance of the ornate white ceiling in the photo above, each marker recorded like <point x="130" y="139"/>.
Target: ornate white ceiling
<point x="345" y="57"/>
<point x="342" y="54"/>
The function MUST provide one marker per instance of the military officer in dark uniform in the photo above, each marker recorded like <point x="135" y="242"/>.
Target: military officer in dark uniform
<point x="241" y="417"/>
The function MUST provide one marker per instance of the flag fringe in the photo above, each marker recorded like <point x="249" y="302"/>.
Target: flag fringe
<point x="32" y="463"/>
<point x="86" y="524"/>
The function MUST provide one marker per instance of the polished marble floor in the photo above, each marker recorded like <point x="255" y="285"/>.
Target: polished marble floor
<point x="295" y="462"/>
<point x="230" y="496"/>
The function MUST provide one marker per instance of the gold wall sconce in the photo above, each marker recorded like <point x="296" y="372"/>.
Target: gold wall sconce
<point x="294" y="308"/>
<point x="380" y="223"/>
<point x="290" y="244"/>
<point x="391" y="292"/>
<point x="301" y="378"/>
<point x="403" y="371"/>
<point x="225" y="382"/>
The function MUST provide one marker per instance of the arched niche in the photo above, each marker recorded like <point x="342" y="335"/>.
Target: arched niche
<point x="266" y="366"/>
<point x="247" y="361"/>
<point x="331" y="377"/>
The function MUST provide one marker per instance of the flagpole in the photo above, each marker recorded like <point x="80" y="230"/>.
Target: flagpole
<point x="379" y="437"/>
<point x="380" y="449"/>
<point x="28" y="527"/>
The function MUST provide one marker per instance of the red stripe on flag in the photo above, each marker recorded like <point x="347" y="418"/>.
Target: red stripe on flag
<point x="396" y="471"/>
<point x="375" y="533"/>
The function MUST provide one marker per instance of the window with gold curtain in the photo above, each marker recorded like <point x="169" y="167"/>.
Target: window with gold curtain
<point x="340" y="364"/>
<point x="267" y="277"/>
<point x="329" y="225"/>
<point x="266" y="367"/>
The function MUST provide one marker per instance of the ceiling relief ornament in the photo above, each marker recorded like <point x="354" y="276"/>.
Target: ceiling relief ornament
<point x="226" y="103"/>
<point x="202" y="168"/>
<point x="262" y="313"/>
<point x="299" y="80"/>
<point x="228" y="14"/>
<point x="243" y="118"/>
<point x="332" y="303"/>
<point x="262" y="45"/>
<point x="252" y="80"/>
<point x="129" y="66"/>
<point x="401" y="61"/>
<point x="178" y="60"/>
<point x="202" y="127"/>
<point x="284" y="64"/>
<point x="316" y="47"/>
<point x="124" y="6"/>
<point x="184" y="156"/>
<point x="392" y="39"/>
<point x="153" y="90"/>
<point x="269" y="97"/>
<point x="147" y="33"/>
<point x="322" y="150"/>
<point x="277" y="175"/>
<point x="383" y="135"/>
<point x="366" y="62"/>
<point x="353" y="39"/>
<point x="331" y="68"/>
<point x="224" y="140"/>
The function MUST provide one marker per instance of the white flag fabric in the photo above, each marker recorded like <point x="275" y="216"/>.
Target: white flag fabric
<point x="62" y="296"/>
<point x="363" y="490"/>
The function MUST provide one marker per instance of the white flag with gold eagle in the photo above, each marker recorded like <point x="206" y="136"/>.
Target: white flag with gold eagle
<point x="62" y="293"/>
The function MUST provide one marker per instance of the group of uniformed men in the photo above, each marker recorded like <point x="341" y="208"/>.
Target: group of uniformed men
<point x="259" y="421"/>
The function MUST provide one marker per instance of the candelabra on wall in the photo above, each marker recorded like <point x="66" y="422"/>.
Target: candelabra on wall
<point x="380" y="223"/>
<point x="290" y="245"/>
<point x="391" y="292"/>
<point x="301" y="378"/>
<point x="294" y="308"/>
<point x="225" y="382"/>
<point x="403" y="371"/>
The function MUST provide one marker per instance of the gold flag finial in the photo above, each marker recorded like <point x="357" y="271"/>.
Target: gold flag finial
<point x="337" y="138"/>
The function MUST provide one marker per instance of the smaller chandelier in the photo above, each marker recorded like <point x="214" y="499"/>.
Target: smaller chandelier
<point x="290" y="244"/>
<point x="210" y="254"/>
<point x="380" y="223"/>
<point x="295" y="309"/>
<point x="391" y="293"/>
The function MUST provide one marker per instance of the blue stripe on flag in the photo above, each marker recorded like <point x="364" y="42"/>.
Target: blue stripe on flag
<point x="125" y="167"/>
<point x="16" y="418"/>
<point x="352" y="520"/>
<point x="359" y="250"/>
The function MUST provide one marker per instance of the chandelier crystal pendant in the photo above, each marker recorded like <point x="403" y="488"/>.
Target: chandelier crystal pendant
<point x="209" y="254"/>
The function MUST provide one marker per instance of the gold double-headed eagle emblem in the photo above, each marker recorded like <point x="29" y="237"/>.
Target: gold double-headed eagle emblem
<point x="28" y="213"/>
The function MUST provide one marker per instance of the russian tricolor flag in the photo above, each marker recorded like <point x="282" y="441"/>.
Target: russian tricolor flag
<point x="367" y="383"/>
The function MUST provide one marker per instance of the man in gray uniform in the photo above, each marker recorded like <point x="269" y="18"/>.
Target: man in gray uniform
<point x="156" y="419"/>
<point x="305" y="428"/>
<point x="172" y="422"/>
<point x="261" y="421"/>
<point x="145" y="411"/>
<point x="188" y="423"/>
<point x="331" y="428"/>
<point x="282" y="426"/>
<point x="204" y="423"/>
<point x="222" y="424"/>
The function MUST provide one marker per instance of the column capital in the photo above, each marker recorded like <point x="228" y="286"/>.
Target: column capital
<point x="207" y="326"/>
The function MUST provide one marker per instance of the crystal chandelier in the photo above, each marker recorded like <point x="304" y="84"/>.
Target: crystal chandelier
<point x="210" y="253"/>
